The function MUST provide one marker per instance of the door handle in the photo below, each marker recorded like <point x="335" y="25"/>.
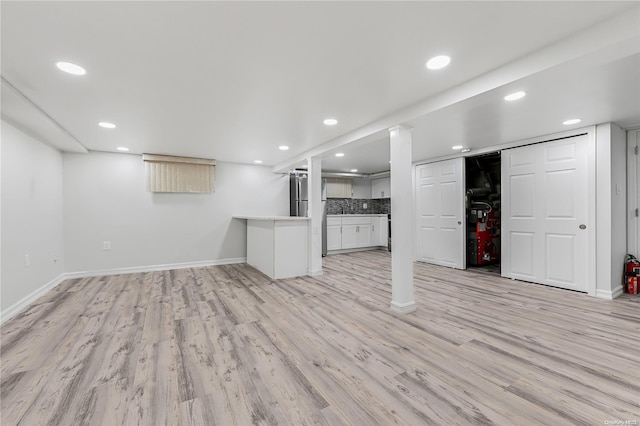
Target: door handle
<point x="583" y="226"/>
<point x="459" y="223"/>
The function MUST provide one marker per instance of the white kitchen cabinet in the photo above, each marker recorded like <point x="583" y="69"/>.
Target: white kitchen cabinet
<point x="363" y="236"/>
<point x="375" y="232"/>
<point x="360" y="226"/>
<point x="379" y="231"/>
<point x="334" y="237"/>
<point x="348" y="237"/>
<point x="381" y="188"/>
<point x="346" y="232"/>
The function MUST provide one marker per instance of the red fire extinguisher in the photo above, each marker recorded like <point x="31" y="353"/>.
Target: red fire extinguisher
<point x="631" y="273"/>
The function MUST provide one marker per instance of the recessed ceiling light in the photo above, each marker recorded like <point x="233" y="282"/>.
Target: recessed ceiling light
<point x="107" y="125"/>
<point x="339" y="154"/>
<point x="330" y="121"/>
<point x="456" y="147"/>
<point x="123" y="149"/>
<point x="438" y="62"/>
<point x="71" y="68"/>
<point x="258" y="161"/>
<point x="572" y="121"/>
<point x="354" y="170"/>
<point x="283" y="148"/>
<point x="515" y="96"/>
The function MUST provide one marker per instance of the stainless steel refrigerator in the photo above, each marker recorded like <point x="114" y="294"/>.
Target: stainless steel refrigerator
<point x="299" y="201"/>
<point x="298" y="195"/>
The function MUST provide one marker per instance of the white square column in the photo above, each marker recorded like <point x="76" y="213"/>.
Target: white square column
<point x="314" y="180"/>
<point x="402" y="300"/>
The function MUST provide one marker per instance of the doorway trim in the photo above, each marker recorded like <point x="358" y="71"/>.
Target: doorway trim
<point x="633" y="143"/>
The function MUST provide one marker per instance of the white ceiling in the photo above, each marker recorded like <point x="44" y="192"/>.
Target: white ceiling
<point x="234" y="80"/>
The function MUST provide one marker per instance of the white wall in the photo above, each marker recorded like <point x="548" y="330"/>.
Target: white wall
<point x="31" y="215"/>
<point x="105" y="200"/>
<point x="362" y="188"/>
<point x="611" y="209"/>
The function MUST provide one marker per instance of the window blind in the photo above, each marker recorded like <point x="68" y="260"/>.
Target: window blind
<point x="179" y="174"/>
<point x="339" y="188"/>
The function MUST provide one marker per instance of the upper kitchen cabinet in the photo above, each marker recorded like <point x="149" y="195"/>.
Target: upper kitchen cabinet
<point x="381" y="188"/>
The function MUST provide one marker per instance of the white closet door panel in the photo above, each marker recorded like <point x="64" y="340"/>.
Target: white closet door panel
<point x="427" y="252"/>
<point x="522" y="265"/>
<point x="545" y="213"/>
<point x="560" y="247"/>
<point x="440" y="213"/>
<point x="520" y="200"/>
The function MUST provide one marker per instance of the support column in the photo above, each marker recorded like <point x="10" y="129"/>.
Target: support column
<point x="314" y="180"/>
<point x="401" y="220"/>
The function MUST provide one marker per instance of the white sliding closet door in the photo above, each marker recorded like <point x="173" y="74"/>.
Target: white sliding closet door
<point x="545" y="213"/>
<point x="440" y="213"/>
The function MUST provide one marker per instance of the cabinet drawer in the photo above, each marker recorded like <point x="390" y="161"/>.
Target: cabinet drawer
<point x="356" y="221"/>
<point x="334" y="221"/>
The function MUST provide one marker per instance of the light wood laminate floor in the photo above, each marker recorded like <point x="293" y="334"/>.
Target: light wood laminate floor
<point x="226" y="345"/>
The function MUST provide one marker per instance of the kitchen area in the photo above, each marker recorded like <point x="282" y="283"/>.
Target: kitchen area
<point x="356" y="216"/>
<point x="356" y="210"/>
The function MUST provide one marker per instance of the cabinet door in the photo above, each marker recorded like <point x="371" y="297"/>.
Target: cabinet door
<point x="381" y="188"/>
<point x="334" y="237"/>
<point x="375" y="232"/>
<point x="382" y="231"/>
<point x="363" y="236"/>
<point x="348" y="236"/>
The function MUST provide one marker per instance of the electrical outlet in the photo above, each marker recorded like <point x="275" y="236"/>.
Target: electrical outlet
<point x="27" y="261"/>
<point x="364" y="205"/>
<point x="106" y="245"/>
<point x="55" y="258"/>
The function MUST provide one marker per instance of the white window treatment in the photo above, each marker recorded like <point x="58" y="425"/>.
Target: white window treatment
<point x="179" y="174"/>
<point x="339" y="188"/>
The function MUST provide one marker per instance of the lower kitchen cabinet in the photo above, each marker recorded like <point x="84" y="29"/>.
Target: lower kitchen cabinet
<point x="363" y="236"/>
<point x="349" y="239"/>
<point x="334" y="237"/>
<point x="380" y="231"/>
<point x="346" y="232"/>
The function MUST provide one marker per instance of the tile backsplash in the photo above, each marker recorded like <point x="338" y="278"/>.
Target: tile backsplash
<point x="354" y="206"/>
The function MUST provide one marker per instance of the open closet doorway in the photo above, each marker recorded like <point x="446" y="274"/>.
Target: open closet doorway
<point x="482" y="205"/>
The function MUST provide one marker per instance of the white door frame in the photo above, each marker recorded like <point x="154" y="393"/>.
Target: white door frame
<point x="633" y="141"/>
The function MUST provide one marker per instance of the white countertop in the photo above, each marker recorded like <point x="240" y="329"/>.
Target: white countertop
<point x="282" y="218"/>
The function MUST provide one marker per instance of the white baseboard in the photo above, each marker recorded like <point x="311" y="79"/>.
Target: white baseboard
<point x="14" y="309"/>
<point x="315" y="273"/>
<point x="354" y="250"/>
<point x="154" y="268"/>
<point x="403" y="308"/>
<point x="609" y="295"/>
<point x="17" y="307"/>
